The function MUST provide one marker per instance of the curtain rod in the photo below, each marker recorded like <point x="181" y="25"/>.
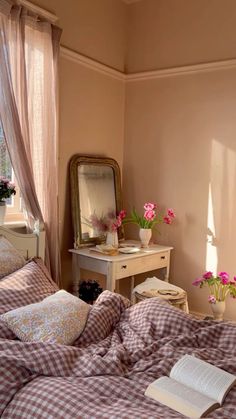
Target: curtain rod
<point x="38" y="10"/>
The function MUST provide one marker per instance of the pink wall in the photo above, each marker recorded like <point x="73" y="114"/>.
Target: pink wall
<point x="179" y="131"/>
<point x="180" y="137"/>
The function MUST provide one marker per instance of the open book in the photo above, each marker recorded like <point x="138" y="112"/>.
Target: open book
<point x="194" y="387"/>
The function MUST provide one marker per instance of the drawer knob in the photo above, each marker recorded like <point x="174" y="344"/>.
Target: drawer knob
<point x="123" y="266"/>
<point x="163" y="257"/>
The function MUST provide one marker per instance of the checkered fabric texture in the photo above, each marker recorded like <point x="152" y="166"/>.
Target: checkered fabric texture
<point x="28" y="285"/>
<point x="104" y="375"/>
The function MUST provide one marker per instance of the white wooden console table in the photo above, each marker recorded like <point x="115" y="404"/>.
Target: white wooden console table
<point x="121" y="265"/>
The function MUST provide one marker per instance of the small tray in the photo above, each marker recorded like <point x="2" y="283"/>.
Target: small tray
<point x="129" y="250"/>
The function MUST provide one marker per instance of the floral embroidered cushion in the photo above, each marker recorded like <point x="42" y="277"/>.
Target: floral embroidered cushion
<point x="59" y="318"/>
<point x="10" y="258"/>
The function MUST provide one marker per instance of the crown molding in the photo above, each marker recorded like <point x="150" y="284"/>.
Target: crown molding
<point x="38" y="10"/>
<point x="178" y="71"/>
<point x="145" y="75"/>
<point x="91" y="64"/>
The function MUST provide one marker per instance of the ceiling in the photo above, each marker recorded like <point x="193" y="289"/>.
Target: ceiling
<point x="130" y="1"/>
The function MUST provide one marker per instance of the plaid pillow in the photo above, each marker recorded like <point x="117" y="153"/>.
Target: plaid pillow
<point x="10" y="258"/>
<point x="27" y="285"/>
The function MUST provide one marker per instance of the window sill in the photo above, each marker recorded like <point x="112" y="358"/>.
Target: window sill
<point x="14" y="224"/>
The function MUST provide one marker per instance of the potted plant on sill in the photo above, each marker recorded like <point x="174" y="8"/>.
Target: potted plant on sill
<point x="7" y="189"/>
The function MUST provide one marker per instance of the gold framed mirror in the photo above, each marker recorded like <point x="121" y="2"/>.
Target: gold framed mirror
<point x="95" y="192"/>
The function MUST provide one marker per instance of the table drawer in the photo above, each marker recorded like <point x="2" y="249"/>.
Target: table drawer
<point x="141" y="264"/>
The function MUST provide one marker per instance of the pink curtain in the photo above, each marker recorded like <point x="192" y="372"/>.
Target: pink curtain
<point x="28" y="109"/>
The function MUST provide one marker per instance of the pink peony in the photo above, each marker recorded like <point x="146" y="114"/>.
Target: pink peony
<point x="197" y="281"/>
<point x="170" y="213"/>
<point x="212" y="299"/>
<point x="224" y="277"/>
<point x="116" y="224"/>
<point x="149" y="215"/>
<point x="122" y="214"/>
<point x="149" y="206"/>
<point x="234" y="278"/>
<point x="113" y="227"/>
<point x="208" y="275"/>
<point x="167" y="219"/>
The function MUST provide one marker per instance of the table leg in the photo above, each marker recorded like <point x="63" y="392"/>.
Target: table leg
<point x="167" y="274"/>
<point x="110" y="279"/>
<point x="117" y="286"/>
<point x="132" y="296"/>
<point x="75" y="274"/>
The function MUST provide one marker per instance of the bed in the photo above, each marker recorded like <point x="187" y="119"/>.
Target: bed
<point x="105" y="372"/>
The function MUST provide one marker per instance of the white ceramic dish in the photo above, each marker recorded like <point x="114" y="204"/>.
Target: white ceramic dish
<point x="129" y="249"/>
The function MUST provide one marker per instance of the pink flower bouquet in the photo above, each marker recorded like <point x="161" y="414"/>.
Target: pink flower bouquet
<point x="7" y="188"/>
<point x="150" y="217"/>
<point x="220" y="286"/>
<point x="106" y="223"/>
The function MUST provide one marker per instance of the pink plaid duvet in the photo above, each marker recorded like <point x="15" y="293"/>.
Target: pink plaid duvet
<point x="105" y="374"/>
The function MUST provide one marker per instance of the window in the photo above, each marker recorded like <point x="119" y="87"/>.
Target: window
<point x="14" y="204"/>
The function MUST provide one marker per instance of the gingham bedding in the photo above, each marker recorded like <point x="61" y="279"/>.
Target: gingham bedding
<point x="104" y="375"/>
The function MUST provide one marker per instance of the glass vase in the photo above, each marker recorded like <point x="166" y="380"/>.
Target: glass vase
<point x="112" y="239"/>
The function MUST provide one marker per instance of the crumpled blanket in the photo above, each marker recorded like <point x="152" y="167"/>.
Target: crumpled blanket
<point x="104" y="375"/>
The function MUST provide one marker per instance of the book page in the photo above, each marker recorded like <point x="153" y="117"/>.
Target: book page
<point x="203" y="377"/>
<point x="180" y="398"/>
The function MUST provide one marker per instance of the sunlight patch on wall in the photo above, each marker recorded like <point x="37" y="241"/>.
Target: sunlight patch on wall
<point x="211" y="249"/>
<point x="221" y="204"/>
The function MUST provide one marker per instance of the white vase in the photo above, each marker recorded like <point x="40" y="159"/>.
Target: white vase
<point x="112" y="239"/>
<point x="218" y="309"/>
<point x="145" y="235"/>
<point x="3" y="209"/>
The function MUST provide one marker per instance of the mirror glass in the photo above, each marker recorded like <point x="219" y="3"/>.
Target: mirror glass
<point x="95" y="195"/>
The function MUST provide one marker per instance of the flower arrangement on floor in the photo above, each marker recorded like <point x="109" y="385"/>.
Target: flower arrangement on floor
<point x="220" y="286"/>
<point x="149" y="219"/>
<point x="7" y="188"/>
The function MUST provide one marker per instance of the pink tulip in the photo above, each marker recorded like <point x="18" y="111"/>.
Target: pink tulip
<point x="170" y="213"/>
<point x="149" y="206"/>
<point x="167" y="219"/>
<point x="149" y="215"/>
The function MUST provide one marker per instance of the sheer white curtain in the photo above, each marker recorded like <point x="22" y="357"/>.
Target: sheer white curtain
<point x="28" y="110"/>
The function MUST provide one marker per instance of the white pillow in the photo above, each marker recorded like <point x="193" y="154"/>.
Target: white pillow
<point x="10" y="258"/>
<point x="59" y="318"/>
